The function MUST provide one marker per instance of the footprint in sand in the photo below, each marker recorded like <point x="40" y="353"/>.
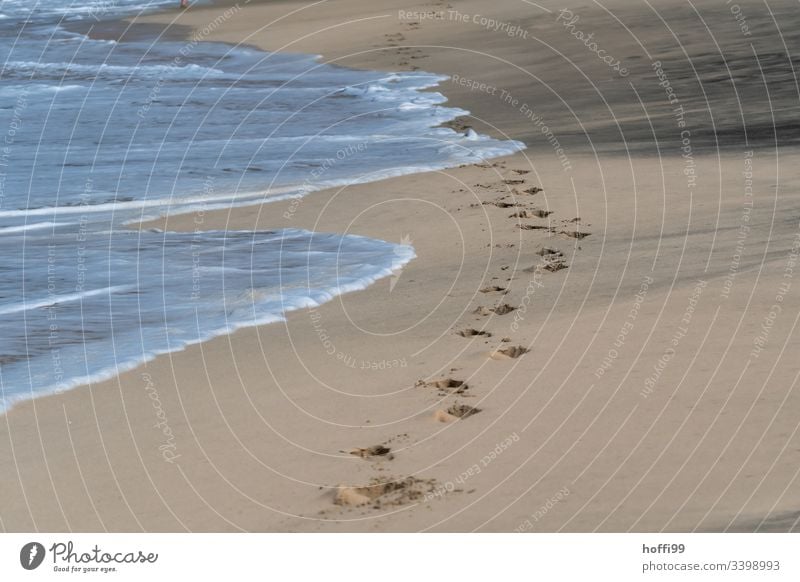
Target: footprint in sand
<point x="502" y="309"/>
<point x="509" y="353"/>
<point x="552" y="266"/>
<point x="385" y="492"/>
<point x="445" y="386"/>
<point x="373" y="451"/>
<point x="521" y="172"/>
<point x="470" y="332"/>
<point x="455" y="412"/>
<point x="501" y="204"/>
<point x="493" y="289"/>
<point x="533" y="190"/>
<point x="521" y="214"/>
<point x="532" y="213"/>
<point x="536" y="227"/>
<point x="552" y="261"/>
<point x="549" y="251"/>
<point x="575" y="234"/>
<point x="462" y="410"/>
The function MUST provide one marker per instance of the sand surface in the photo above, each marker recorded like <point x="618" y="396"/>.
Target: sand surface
<point x="658" y="389"/>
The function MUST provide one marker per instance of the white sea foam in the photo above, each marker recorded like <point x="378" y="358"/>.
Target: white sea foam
<point x="58" y="300"/>
<point x="72" y="70"/>
<point x="31" y="226"/>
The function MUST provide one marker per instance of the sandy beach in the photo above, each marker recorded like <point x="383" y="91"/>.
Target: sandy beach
<point x="597" y="334"/>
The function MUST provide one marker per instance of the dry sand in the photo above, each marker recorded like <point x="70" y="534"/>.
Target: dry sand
<point x="658" y="389"/>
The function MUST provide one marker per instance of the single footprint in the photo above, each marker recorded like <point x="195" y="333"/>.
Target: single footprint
<point x="514" y="182"/>
<point x="575" y="234"/>
<point x="455" y="412"/>
<point x="470" y="332"/>
<point x="373" y="451"/>
<point x="552" y="265"/>
<point x="541" y="213"/>
<point x="533" y="190"/>
<point x="552" y="261"/>
<point x="521" y="214"/>
<point x="492" y="289"/>
<point x="462" y="410"/>
<point x="502" y="309"/>
<point x="536" y="227"/>
<point x="501" y="204"/>
<point x="384" y="492"/>
<point x="549" y="251"/>
<point x="445" y="385"/>
<point x="521" y="172"/>
<point x="509" y="353"/>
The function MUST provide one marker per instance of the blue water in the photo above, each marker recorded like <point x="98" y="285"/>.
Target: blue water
<point x="96" y="135"/>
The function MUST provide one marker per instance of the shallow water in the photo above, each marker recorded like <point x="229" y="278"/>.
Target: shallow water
<point x="98" y="134"/>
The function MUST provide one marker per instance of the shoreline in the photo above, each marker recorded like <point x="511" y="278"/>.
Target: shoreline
<point x="258" y="426"/>
<point x="162" y="27"/>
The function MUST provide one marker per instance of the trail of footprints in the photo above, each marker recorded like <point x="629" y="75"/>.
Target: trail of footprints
<point x="407" y="55"/>
<point x="404" y="54"/>
<point x="386" y="492"/>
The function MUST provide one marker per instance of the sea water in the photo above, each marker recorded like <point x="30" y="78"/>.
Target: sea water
<point x="96" y="135"/>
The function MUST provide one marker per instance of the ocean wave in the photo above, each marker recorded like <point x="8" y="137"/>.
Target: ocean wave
<point x="34" y="226"/>
<point x="248" y="297"/>
<point x="12" y="91"/>
<point x="165" y="203"/>
<point x="16" y="69"/>
<point x="58" y="300"/>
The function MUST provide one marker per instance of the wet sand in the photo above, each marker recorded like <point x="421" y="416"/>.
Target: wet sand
<point x="646" y="293"/>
